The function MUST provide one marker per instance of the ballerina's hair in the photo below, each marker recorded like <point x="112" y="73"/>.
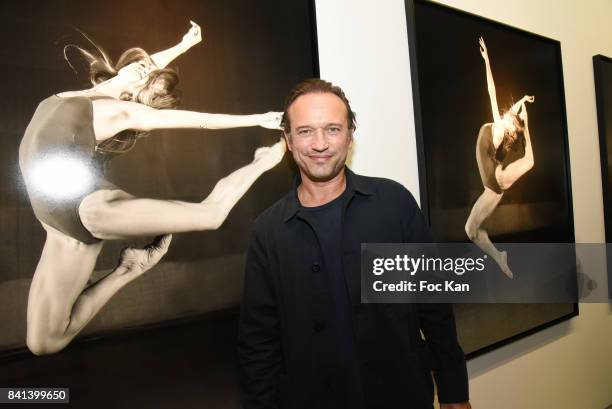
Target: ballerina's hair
<point x="512" y="140"/>
<point x="158" y="92"/>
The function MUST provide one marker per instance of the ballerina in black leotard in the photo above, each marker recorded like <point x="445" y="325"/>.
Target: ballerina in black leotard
<point x="494" y="141"/>
<point x="66" y="135"/>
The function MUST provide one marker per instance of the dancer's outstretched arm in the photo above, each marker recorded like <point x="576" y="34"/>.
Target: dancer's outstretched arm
<point x="193" y="37"/>
<point x="527" y="98"/>
<point x="113" y="116"/>
<point x="490" y="82"/>
<point x="506" y="177"/>
<point x="146" y="119"/>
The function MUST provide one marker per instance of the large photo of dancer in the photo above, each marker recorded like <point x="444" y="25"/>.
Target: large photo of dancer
<point x="493" y="153"/>
<point x="68" y="136"/>
<point x="140" y="141"/>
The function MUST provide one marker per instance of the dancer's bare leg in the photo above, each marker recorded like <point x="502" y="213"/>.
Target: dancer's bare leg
<point x="59" y="305"/>
<point x="114" y="214"/>
<point x="484" y="206"/>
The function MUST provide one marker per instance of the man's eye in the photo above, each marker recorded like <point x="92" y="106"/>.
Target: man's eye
<point x="333" y="129"/>
<point x="304" y="132"/>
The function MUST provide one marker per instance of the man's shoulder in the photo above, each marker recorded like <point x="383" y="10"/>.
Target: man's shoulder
<point x="273" y="214"/>
<point x="394" y="203"/>
<point x="386" y="189"/>
<point x="376" y="182"/>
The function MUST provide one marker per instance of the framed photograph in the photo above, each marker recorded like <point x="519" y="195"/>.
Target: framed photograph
<point x="167" y="338"/>
<point x="493" y="152"/>
<point x="232" y="57"/>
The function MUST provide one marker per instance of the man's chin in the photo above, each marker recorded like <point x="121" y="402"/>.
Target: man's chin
<point x="324" y="175"/>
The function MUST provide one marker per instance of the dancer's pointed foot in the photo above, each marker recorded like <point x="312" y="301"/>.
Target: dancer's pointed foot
<point x="138" y="261"/>
<point x="270" y="156"/>
<point x="503" y="264"/>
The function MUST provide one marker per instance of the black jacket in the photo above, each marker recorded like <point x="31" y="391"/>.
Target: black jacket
<point x="283" y="337"/>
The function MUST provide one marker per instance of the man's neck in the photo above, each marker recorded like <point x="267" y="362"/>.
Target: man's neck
<point x="312" y="193"/>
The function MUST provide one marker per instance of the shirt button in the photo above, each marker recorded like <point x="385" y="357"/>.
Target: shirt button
<point x="316" y="268"/>
<point x="319" y="326"/>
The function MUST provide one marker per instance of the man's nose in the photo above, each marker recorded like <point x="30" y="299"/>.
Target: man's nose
<point x="319" y="141"/>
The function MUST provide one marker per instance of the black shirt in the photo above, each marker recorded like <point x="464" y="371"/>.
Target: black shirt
<point x="326" y="220"/>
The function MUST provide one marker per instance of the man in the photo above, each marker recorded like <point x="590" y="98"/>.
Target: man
<point x="306" y="341"/>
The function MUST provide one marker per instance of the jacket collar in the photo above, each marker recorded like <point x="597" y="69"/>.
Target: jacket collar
<point x="354" y="184"/>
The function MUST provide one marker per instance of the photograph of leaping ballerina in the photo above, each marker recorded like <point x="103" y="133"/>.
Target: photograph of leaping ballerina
<point x="495" y="139"/>
<point x="72" y="130"/>
<point x="493" y="156"/>
<point x="138" y="150"/>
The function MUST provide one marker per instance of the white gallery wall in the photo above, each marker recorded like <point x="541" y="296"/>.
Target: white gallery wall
<point x="363" y="47"/>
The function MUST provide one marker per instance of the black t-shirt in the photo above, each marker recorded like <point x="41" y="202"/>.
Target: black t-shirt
<point x="326" y="221"/>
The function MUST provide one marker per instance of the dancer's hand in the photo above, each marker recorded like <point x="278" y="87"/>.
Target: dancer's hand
<point x="138" y="261"/>
<point x="483" y="49"/>
<point x="529" y="98"/>
<point x="271" y="120"/>
<point x="193" y="36"/>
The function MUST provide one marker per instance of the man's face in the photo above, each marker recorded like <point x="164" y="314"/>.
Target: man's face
<point x="320" y="138"/>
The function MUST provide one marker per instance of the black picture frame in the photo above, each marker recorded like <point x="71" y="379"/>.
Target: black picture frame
<point x="602" y="70"/>
<point x="437" y="37"/>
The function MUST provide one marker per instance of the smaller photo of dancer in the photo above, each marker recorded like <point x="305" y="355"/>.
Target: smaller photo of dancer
<point x="493" y="155"/>
<point x="495" y="139"/>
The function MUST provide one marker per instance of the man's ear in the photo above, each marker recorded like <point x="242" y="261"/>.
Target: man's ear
<point x="288" y="140"/>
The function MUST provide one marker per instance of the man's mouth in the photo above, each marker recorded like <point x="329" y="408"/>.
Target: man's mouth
<point x="320" y="158"/>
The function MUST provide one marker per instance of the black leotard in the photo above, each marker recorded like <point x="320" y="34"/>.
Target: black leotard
<point x="485" y="156"/>
<point x="62" y="126"/>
